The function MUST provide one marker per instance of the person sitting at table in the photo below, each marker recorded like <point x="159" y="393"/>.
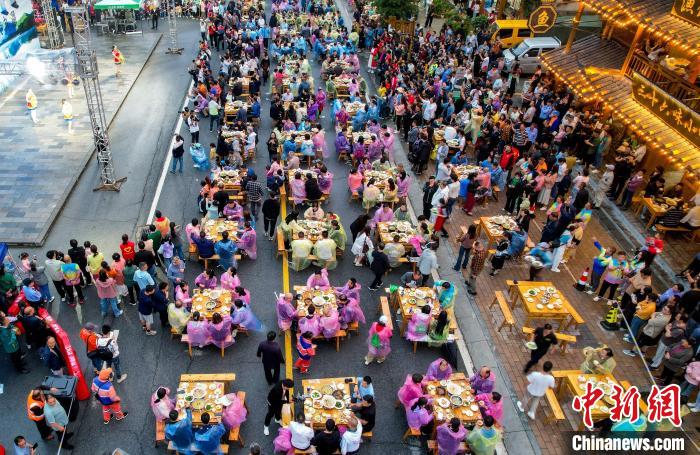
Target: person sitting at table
<point x="226" y="249"/>
<point x="692" y="219"/>
<point x="235" y="413"/>
<point x="325" y="180"/>
<point x="419" y="324"/>
<point x="207" y="438"/>
<point x="449" y="436"/>
<point x="233" y="210"/>
<point x="411" y="389"/>
<point x="490" y="404"/>
<point x="205" y="246"/>
<point x="248" y="241"/>
<point x="412" y="278"/>
<point x="242" y="317"/>
<point x="162" y="404"/>
<point x="598" y="360"/>
<point x="349" y="311"/>
<point x="241" y="293"/>
<point x="229" y="279"/>
<point x="301" y="250"/>
<point x="439" y="329"/>
<point x="286" y="313"/>
<point x="351" y="289"/>
<point x="419" y="416"/>
<point x="219" y="330"/>
<point x="483" y="440"/>
<point x="675" y="192"/>
<point x="310" y="323"/>
<point x="178" y="316"/>
<point x="445" y="292"/>
<point x="401" y="213"/>
<point x="483" y="381"/>
<point x="318" y="280"/>
<point x="325" y="251"/>
<point x="179" y="432"/>
<point x="306" y="350"/>
<point x="313" y="191"/>
<point x="327" y="442"/>
<point x="197" y="330"/>
<point x="352" y="438"/>
<point x="298" y="189"/>
<point x="337" y="233"/>
<point x="383" y="214"/>
<point x="672" y="217"/>
<point x="206" y="279"/>
<point x="300" y="433"/>
<point x="182" y="293"/>
<point x="438" y="370"/>
<point x="364" y="166"/>
<point x="314" y="213"/>
<point x="370" y="195"/>
<point x="329" y="322"/>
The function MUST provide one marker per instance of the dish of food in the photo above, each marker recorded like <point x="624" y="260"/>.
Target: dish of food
<point x="339" y="404"/>
<point x="454" y="389"/>
<point x="540" y="306"/>
<point x="530" y="299"/>
<point x="443" y="402"/>
<point x="210" y="305"/>
<point x="550" y="306"/>
<point x="532" y="292"/>
<point x="215" y="294"/>
<point x="328" y="401"/>
<point x="327" y="389"/>
<point x="420" y="294"/>
<point x="443" y="383"/>
<point x="198" y="405"/>
<point x="456" y="400"/>
<point x="315" y="394"/>
<point x="474" y="407"/>
<point x="531" y="345"/>
<point x="338" y="394"/>
<point x="468" y="413"/>
<point x="317" y="404"/>
<point x="199" y="392"/>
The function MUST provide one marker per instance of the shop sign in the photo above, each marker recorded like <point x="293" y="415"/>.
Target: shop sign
<point x="671" y="111"/>
<point x="688" y="10"/>
<point x="543" y="18"/>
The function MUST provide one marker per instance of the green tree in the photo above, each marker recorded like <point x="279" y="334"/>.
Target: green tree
<point x="400" y="9"/>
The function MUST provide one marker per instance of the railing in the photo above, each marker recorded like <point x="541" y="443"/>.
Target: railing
<point x="666" y="79"/>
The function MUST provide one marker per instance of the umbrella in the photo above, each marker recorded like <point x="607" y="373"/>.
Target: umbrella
<point x="117" y="4"/>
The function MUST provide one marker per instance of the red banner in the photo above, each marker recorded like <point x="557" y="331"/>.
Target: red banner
<point x="82" y="391"/>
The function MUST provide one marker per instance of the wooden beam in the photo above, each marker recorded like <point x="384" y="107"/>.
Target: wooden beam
<point x="633" y="47"/>
<point x="574" y="26"/>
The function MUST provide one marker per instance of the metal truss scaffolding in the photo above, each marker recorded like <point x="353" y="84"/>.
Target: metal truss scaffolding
<point x="54" y="32"/>
<point x="172" y="28"/>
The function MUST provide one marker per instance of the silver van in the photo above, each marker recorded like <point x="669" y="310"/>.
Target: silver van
<point x="527" y="53"/>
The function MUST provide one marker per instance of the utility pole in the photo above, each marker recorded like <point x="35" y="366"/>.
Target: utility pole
<point x="53" y="29"/>
<point x="88" y="71"/>
<point x="172" y="28"/>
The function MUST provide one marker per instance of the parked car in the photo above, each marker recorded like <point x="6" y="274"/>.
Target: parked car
<point x="510" y="32"/>
<point x="527" y="53"/>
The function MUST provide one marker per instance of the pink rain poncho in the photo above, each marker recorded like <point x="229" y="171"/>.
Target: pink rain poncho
<point x="319" y="280"/>
<point x="245" y="318"/>
<point x="319" y="140"/>
<point x="379" y="345"/>
<point x="285" y="313"/>
<point x="351" y="312"/>
<point x="435" y="373"/>
<point x="329" y="323"/>
<point x="198" y="333"/>
<point x="229" y="281"/>
<point x="409" y="392"/>
<point x="243" y="295"/>
<point x="219" y="334"/>
<point x="283" y="442"/>
<point x="183" y="296"/>
<point x="235" y="413"/>
<point x="162" y="407"/>
<point x="248" y="243"/>
<point x="350" y="292"/>
<point x="418" y="327"/>
<point x="298" y="190"/>
<point x="495" y="410"/>
<point x="448" y="440"/>
<point x="383" y="214"/>
<point x="417" y="417"/>
<point x="325" y="182"/>
<point x="312" y="325"/>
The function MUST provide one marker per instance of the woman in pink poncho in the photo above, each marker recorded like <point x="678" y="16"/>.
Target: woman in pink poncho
<point x="318" y="279"/>
<point x="321" y="100"/>
<point x="182" y="293"/>
<point x="351" y="289"/>
<point x="219" y="330"/>
<point x="162" y="404"/>
<point x="449" y="437"/>
<point x="197" y="330"/>
<point x="325" y="180"/>
<point x="403" y="182"/>
<point x="235" y="413"/>
<point x="240" y="293"/>
<point x="438" y="370"/>
<point x="248" y="241"/>
<point x="319" y="140"/>
<point x="298" y="189"/>
<point x="491" y="404"/>
<point x="229" y="279"/>
<point x="411" y="389"/>
<point x="310" y="322"/>
<point x="328" y="321"/>
<point x="382" y="215"/>
<point x="349" y="311"/>
<point x="379" y="341"/>
<point x="286" y="313"/>
<point x="206" y="280"/>
<point x="419" y="324"/>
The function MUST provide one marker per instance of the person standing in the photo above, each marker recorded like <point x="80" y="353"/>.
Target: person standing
<point x="270" y="211"/>
<point x="538" y="383"/>
<point x="32" y="104"/>
<point x="254" y="193"/>
<point x="35" y="412"/>
<point x="23" y="447"/>
<point x="78" y="256"/>
<point x="146" y="309"/>
<point x="57" y="419"/>
<point x="107" y="344"/>
<point x="118" y="59"/>
<point x="53" y="271"/>
<point x="466" y="242"/>
<point x="429" y="190"/>
<point x="543" y="337"/>
<point x="276" y="398"/>
<point x="427" y="263"/>
<point x="10" y="343"/>
<point x="178" y="151"/>
<point x="107" y="396"/>
<point x="272" y="357"/>
<point x="51" y="356"/>
<point x="213" y="114"/>
<point x="479" y="254"/>
<point x="306" y="350"/>
<point x="155" y="13"/>
<point x="379" y="265"/>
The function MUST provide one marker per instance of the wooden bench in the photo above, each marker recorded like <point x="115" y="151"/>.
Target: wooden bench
<point x="508" y="319"/>
<point x="280" y="245"/>
<point x="234" y="435"/>
<point x="353" y="327"/>
<point x="433" y="447"/>
<point x="338" y="335"/>
<point x="411" y="432"/>
<point x="402" y="260"/>
<point x="174" y="333"/>
<point x="563" y="338"/>
<point x="495" y="191"/>
<point x="556" y="414"/>
<point x="237" y="257"/>
<point x="367" y="436"/>
<point x="223" y="448"/>
<point x="160" y="431"/>
<point x="186" y="339"/>
<point x="383" y="308"/>
<point x="662" y="230"/>
<point x="451" y="338"/>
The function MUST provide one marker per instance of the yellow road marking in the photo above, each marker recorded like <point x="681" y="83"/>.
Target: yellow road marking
<point x="288" y="366"/>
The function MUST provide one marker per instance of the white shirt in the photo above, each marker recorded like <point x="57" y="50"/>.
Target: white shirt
<point x="693" y="217"/>
<point x="103" y="340"/>
<point x="453" y="190"/>
<point x="301" y="435"/>
<point x="350" y="442"/>
<point x="539" y="383"/>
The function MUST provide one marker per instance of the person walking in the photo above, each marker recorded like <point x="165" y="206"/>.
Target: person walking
<point x="107" y="292"/>
<point x="146" y="309"/>
<point x="103" y="388"/>
<point x="543" y="337"/>
<point x="109" y="349"/>
<point x="35" y="412"/>
<point x="271" y="354"/>
<point x="429" y="190"/>
<point x="466" y="242"/>
<point x="538" y="383"/>
<point x="254" y="194"/>
<point x="118" y="59"/>
<point x="379" y="265"/>
<point x="379" y="341"/>
<point x="479" y="254"/>
<point x="276" y="399"/>
<point x="270" y="211"/>
<point x="53" y="270"/>
<point x="57" y="419"/>
<point x="178" y="151"/>
<point x="427" y="263"/>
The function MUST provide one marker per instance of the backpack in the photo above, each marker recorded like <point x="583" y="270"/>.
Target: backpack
<point x="104" y="353"/>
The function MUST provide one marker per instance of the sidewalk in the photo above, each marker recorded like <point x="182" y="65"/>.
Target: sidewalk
<point x="45" y="158"/>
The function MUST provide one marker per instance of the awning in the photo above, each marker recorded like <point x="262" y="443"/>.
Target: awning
<point x="117" y="4"/>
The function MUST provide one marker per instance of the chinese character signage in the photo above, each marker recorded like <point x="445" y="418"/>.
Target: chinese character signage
<point x="671" y="111"/>
<point x="688" y="10"/>
<point x="543" y="18"/>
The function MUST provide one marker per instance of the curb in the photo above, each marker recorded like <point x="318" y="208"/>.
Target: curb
<point x="88" y="157"/>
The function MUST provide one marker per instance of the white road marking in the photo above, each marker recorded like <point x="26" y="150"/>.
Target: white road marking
<point x="168" y="159"/>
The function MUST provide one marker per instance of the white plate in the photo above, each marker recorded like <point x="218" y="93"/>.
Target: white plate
<point x="540" y="306"/>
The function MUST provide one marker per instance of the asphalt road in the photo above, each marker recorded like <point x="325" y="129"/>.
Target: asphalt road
<point x="140" y="137"/>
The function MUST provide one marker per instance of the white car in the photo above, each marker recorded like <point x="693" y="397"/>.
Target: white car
<point x="527" y="53"/>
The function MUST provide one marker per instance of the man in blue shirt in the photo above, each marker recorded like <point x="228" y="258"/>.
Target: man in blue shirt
<point x="364" y="387"/>
<point x="180" y="432"/>
<point x="531" y="132"/>
<point x="31" y="294"/>
<point x="517" y="242"/>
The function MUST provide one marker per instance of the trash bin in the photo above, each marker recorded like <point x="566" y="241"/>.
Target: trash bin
<point x="65" y="386"/>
